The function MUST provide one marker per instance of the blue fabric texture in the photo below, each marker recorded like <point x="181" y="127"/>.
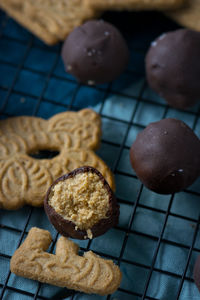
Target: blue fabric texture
<point x="127" y="105"/>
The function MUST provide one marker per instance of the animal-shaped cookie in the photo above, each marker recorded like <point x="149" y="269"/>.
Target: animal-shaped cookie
<point x="89" y="273"/>
<point x="50" y="20"/>
<point x="134" y="4"/>
<point x="24" y="179"/>
<point x="188" y="15"/>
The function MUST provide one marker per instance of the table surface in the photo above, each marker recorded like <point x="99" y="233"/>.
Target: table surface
<point x="157" y="239"/>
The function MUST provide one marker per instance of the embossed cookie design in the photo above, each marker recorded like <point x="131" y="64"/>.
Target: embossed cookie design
<point x="50" y="20"/>
<point x="88" y="273"/>
<point x="24" y="179"/>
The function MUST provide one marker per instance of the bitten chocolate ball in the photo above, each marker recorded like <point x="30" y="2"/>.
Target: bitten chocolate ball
<point x="173" y="67"/>
<point x="81" y="204"/>
<point x="166" y="156"/>
<point x="196" y="273"/>
<point x="95" y="52"/>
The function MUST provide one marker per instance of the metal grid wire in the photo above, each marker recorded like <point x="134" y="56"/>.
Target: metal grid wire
<point x="16" y="91"/>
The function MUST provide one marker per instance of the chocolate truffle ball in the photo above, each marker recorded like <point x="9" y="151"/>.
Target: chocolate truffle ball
<point x="173" y="67"/>
<point x="196" y="273"/>
<point x="166" y="156"/>
<point x="81" y="204"/>
<point x="95" y="52"/>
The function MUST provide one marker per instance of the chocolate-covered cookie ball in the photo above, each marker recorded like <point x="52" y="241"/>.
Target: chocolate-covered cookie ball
<point x="95" y="52"/>
<point x="173" y="67"/>
<point x="196" y="273"/>
<point x="166" y="156"/>
<point x="81" y="204"/>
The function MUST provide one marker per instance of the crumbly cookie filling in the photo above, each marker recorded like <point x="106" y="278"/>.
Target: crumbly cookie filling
<point x="82" y="199"/>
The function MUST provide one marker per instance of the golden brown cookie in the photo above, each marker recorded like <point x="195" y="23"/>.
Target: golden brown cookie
<point x="88" y="273"/>
<point x="133" y="4"/>
<point x="24" y="179"/>
<point x="189" y="15"/>
<point x="50" y="20"/>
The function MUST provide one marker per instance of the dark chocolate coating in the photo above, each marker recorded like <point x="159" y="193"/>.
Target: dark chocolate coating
<point x="173" y="67"/>
<point x="95" y="52"/>
<point x="166" y="156"/>
<point x="196" y="273"/>
<point x="67" y="228"/>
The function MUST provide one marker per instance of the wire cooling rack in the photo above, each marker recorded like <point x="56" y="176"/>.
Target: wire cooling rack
<point x="157" y="239"/>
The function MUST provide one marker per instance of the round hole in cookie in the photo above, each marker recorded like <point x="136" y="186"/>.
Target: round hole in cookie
<point x="44" y="154"/>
